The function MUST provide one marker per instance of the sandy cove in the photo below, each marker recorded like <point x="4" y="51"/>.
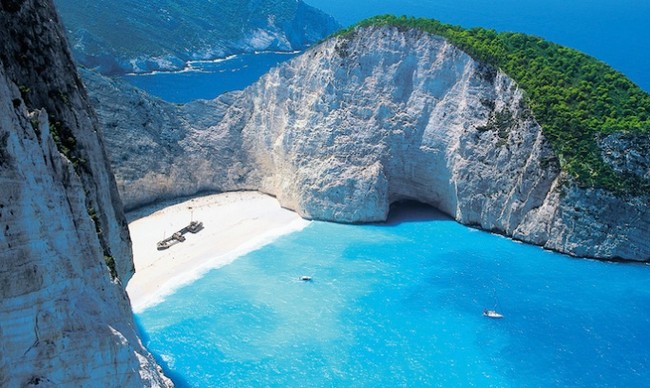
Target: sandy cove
<point x="234" y="224"/>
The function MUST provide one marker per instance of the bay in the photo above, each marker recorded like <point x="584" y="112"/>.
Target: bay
<point x="401" y="304"/>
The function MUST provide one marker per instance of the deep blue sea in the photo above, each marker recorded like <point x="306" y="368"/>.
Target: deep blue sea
<point x="614" y="31"/>
<point x="401" y="304"/>
<point x="208" y="79"/>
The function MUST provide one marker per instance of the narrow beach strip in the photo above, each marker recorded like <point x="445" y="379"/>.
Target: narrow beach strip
<point x="233" y="224"/>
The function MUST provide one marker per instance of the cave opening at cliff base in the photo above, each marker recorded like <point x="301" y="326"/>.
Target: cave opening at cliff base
<point x="408" y="210"/>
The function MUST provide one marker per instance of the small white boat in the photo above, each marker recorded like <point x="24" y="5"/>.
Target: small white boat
<point x="492" y="314"/>
<point x="305" y="278"/>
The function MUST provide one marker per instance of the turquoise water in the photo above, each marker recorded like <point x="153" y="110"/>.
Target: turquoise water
<point x="401" y="305"/>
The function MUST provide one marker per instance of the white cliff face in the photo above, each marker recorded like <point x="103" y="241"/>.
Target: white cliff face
<point x="359" y="122"/>
<point x="64" y="320"/>
<point x="161" y="150"/>
<point x="394" y="116"/>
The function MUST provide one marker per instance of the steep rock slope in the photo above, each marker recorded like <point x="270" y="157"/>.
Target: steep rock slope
<point x="137" y="36"/>
<point x="65" y="319"/>
<point x="386" y="114"/>
<point x="161" y="150"/>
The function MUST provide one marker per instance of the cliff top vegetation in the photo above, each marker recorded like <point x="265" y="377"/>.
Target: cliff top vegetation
<point x="576" y="98"/>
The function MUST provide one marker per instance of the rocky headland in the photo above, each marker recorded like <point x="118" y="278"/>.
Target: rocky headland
<point x="65" y="251"/>
<point x="370" y="118"/>
<point x="141" y="36"/>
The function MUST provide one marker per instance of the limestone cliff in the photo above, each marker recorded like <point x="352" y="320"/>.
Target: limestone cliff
<point x="65" y="255"/>
<point x="361" y="121"/>
<point x="161" y="150"/>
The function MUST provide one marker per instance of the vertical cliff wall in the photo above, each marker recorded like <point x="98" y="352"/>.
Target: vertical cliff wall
<point x="65" y="319"/>
<point x="361" y="121"/>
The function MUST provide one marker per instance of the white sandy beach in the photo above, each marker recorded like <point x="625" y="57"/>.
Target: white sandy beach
<point x="234" y="224"/>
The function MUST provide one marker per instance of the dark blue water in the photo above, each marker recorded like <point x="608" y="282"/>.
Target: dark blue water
<point x="207" y="80"/>
<point x="614" y="31"/>
<point x="401" y="305"/>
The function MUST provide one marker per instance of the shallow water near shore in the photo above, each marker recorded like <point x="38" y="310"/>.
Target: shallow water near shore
<point x="401" y="304"/>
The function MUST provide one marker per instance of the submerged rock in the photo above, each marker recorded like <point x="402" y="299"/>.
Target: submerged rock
<point x="364" y="120"/>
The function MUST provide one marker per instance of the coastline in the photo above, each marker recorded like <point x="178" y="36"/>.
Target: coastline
<point x="189" y="64"/>
<point x="234" y="224"/>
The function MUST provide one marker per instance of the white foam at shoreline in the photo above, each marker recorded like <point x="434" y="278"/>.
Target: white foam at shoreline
<point x="216" y="60"/>
<point x="235" y="224"/>
<point x="186" y="69"/>
<point x="191" y="275"/>
<point x="190" y="68"/>
<point x="277" y="52"/>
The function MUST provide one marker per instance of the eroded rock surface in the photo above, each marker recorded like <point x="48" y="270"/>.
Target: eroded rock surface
<point x="361" y="121"/>
<point x="65" y="254"/>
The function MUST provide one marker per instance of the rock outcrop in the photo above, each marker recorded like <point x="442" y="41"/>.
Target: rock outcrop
<point x="165" y="35"/>
<point x="65" y="254"/>
<point x="161" y="150"/>
<point x="364" y="120"/>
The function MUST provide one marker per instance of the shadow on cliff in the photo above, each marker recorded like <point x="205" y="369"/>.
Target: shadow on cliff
<point x="413" y="211"/>
<point x="178" y="380"/>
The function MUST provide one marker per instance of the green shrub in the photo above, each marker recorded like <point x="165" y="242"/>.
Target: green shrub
<point x="110" y="263"/>
<point x="573" y="96"/>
